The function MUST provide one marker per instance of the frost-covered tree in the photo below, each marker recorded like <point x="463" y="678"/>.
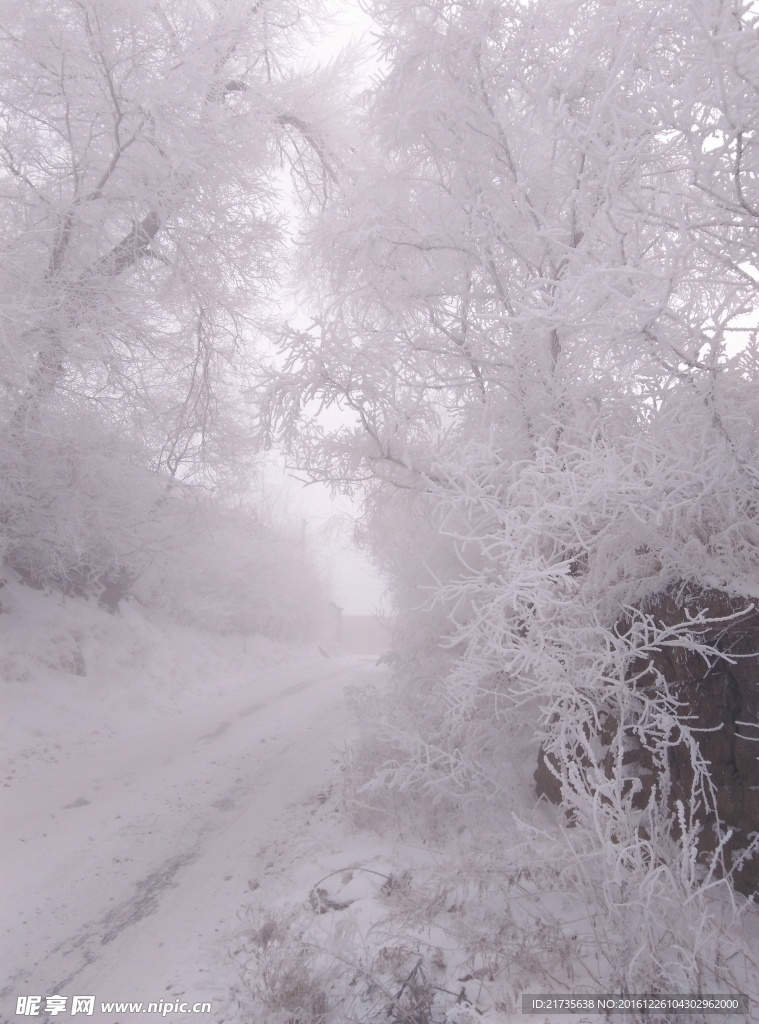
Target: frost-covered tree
<point x="141" y="232"/>
<point x="541" y="333"/>
<point x="557" y="204"/>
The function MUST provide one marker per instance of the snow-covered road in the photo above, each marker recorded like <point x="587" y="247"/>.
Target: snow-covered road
<point x="129" y="861"/>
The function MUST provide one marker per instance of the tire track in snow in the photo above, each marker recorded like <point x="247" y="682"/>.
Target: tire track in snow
<point x="243" y="760"/>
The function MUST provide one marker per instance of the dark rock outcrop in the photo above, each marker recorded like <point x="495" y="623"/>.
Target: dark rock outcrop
<point x="719" y="700"/>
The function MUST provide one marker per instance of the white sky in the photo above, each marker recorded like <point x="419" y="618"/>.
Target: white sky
<point x="328" y="524"/>
<point x="356" y="585"/>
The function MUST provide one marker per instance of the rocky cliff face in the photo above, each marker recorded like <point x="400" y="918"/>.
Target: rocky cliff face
<point x="719" y="699"/>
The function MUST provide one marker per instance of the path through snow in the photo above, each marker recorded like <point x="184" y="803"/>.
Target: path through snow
<point x="130" y="859"/>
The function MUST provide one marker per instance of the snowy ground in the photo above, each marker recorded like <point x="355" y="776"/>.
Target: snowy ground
<point x="148" y="777"/>
<point x="174" y="833"/>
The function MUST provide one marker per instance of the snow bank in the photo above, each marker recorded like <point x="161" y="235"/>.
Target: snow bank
<point x="73" y="675"/>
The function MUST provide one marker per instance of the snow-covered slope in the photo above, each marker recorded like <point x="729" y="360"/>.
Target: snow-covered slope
<point x="74" y="675"/>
